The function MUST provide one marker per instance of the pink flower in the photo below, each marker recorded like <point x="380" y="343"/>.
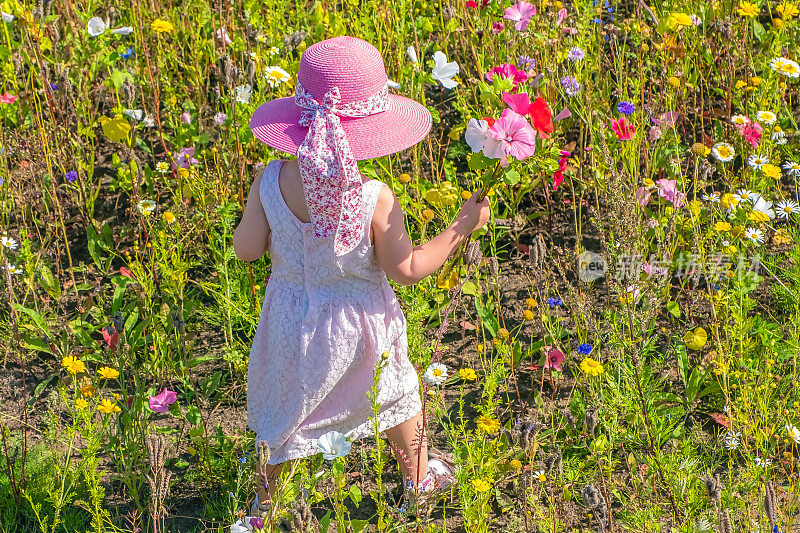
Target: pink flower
<point x="752" y="133"/>
<point x="558" y="176"/>
<point x="652" y="223"/>
<point x="123" y="271"/>
<point x="521" y="13"/>
<point x="517" y="137"/>
<point x="185" y="157"/>
<point x="666" y="120"/>
<point x="623" y="129"/>
<point x="643" y="196"/>
<point x="562" y="14"/>
<point x="8" y="98"/>
<point x="509" y="71"/>
<point x="667" y="189"/>
<point x="497" y="27"/>
<point x="222" y="35"/>
<point x="186" y="117"/>
<point x="555" y="359"/>
<point x="161" y="403"/>
<point x="654" y="134"/>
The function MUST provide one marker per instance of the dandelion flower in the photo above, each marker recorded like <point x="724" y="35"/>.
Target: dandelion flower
<point x="767" y="117"/>
<point x="73" y="364"/>
<point x="488" y="425"/>
<point x="723" y="152"/>
<point x="481" y="485"/>
<point x="80" y="404"/>
<point x="785" y="66"/>
<point x="788" y="10"/>
<point x="435" y="374"/>
<point x="771" y="171"/>
<point x="757" y="161"/>
<point x="276" y="76"/>
<point x="787" y="208"/>
<point x="161" y="26"/>
<point x="591" y="367"/>
<point x="722" y="226"/>
<point x="681" y="19"/>
<point x="146" y="207"/>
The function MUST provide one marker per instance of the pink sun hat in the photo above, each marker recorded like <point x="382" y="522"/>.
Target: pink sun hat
<point x="357" y="69"/>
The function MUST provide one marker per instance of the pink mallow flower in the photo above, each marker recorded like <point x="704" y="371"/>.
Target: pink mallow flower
<point x="555" y="359"/>
<point x="667" y="189"/>
<point x="623" y="129"/>
<point x="509" y="71"/>
<point x="185" y="157"/>
<point x="517" y="137"/>
<point x="521" y="14"/>
<point x="643" y="196"/>
<point x="752" y="133"/>
<point x="7" y="98"/>
<point x="161" y="403"/>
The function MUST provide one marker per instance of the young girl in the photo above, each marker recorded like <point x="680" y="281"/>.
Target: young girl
<point x="329" y="313"/>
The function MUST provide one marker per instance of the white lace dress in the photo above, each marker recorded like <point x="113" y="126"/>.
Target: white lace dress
<point x="324" y="324"/>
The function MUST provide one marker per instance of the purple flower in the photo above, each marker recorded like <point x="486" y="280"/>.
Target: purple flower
<point x="584" y="349"/>
<point x="626" y="108"/>
<point x="570" y="85"/>
<point x="185" y="157"/>
<point x="554" y="302"/>
<point x="161" y="403"/>
<point x="54" y="86"/>
<point x="526" y="62"/>
<point x="576" y="54"/>
<point x="219" y="118"/>
<point x="186" y="117"/>
<point x="71" y="176"/>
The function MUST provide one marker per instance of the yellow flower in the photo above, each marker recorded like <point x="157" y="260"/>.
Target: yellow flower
<point x="746" y="9"/>
<point x="777" y="23"/>
<point x="427" y="215"/>
<point x="107" y="372"/>
<point x="161" y="26"/>
<point x="674" y="82"/>
<point x="516" y="464"/>
<point x="502" y="333"/>
<point x="722" y="226"/>
<point x="645" y="48"/>
<point x="739" y="85"/>
<point x="488" y="424"/>
<point x="755" y="81"/>
<point x="730" y="249"/>
<point x="528" y="314"/>
<point x="467" y="374"/>
<point x="758" y="216"/>
<point x="789" y="11"/>
<point x="80" y="403"/>
<point x="700" y="149"/>
<point x="530" y="302"/>
<point x="695" y="206"/>
<point x="466" y="195"/>
<point x="737" y="231"/>
<point x="539" y="474"/>
<point x="405" y="178"/>
<point x="183" y="172"/>
<point x="681" y="19"/>
<point x="728" y="201"/>
<point x="73" y="364"/>
<point x="169" y="217"/>
<point x="479" y="348"/>
<point x="771" y="171"/>
<point x="481" y="485"/>
<point x="107" y="407"/>
<point x="88" y="390"/>
<point x="591" y="367"/>
<point x="558" y="5"/>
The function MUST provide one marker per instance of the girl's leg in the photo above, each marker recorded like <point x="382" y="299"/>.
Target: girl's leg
<point x="268" y="476"/>
<point x="406" y="438"/>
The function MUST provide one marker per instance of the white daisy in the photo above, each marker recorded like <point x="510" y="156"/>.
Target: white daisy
<point x="792" y="168"/>
<point x="787" y="208"/>
<point x="755" y="235"/>
<point x="743" y="195"/>
<point x="261" y="38"/>
<point x="757" y="161"/>
<point x="725" y="244"/>
<point x="724" y="152"/>
<point x="8" y="242"/>
<point x="767" y="117"/>
<point x="162" y="167"/>
<point x="713" y="197"/>
<point x="146" y="207"/>
<point x="762" y="462"/>
<point x="793" y="432"/>
<point x="14" y="269"/>
<point x="740" y="120"/>
<point x="435" y="374"/>
<point x="539" y="474"/>
<point x="273" y="51"/>
<point x="760" y="205"/>
<point x="254" y="56"/>
<point x="785" y="66"/>
<point x="732" y="440"/>
<point x="778" y="136"/>
<point x="276" y="75"/>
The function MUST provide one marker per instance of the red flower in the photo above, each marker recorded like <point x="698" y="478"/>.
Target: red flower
<point x="489" y="121"/>
<point x="541" y="118"/>
<point x="558" y="176"/>
<point x="111" y="340"/>
<point x="125" y="272"/>
<point x="472" y="4"/>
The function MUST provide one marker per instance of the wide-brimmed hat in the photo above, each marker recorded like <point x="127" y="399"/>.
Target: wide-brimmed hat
<point x="356" y="68"/>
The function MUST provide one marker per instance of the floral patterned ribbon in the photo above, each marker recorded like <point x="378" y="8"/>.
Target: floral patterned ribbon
<point x="331" y="180"/>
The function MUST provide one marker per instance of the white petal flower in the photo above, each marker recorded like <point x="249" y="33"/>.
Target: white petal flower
<point x="276" y="75"/>
<point x="763" y="206"/>
<point x="243" y="93"/>
<point x="792" y="168"/>
<point x="476" y="134"/>
<point x="333" y="444"/>
<point x="793" y="432"/>
<point x="96" y="26"/>
<point x="724" y="152"/>
<point x="786" y="208"/>
<point x="392" y="84"/>
<point x="767" y="117"/>
<point x="146" y="207"/>
<point x="14" y="269"/>
<point x="7" y="17"/>
<point x="443" y="72"/>
<point x="8" y="242"/>
<point x="755" y="235"/>
<point x="785" y="66"/>
<point x="435" y="374"/>
<point x="135" y="114"/>
<point x="125" y="30"/>
<point x="148" y="121"/>
<point x="757" y="161"/>
<point x="241" y="526"/>
<point x="412" y="54"/>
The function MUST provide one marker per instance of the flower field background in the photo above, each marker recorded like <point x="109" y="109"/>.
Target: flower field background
<point x="616" y="351"/>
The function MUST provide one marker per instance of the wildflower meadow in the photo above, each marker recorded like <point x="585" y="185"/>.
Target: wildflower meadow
<point x="617" y="350"/>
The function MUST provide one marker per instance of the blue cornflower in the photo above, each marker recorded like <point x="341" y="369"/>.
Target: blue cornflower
<point x="585" y="349"/>
<point x="626" y="108"/>
<point x="775" y="529"/>
<point x="554" y="302"/>
<point x="570" y="85"/>
<point x="54" y="86"/>
<point x="576" y="53"/>
<point x="596" y="21"/>
<point x="127" y="54"/>
<point x="71" y="176"/>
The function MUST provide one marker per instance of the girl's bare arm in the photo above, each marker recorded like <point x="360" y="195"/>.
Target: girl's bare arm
<point x="251" y="238"/>
<point x="405" y="264"/>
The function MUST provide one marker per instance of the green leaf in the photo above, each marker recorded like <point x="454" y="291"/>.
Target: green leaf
<point x="759" y="31"/>
<point x="37" y="318"/>
<point x="674" y="308"/>
<point x="193" y="415"/>
<point x="470" y="288"/>
<point x="478" y="161"/>
<point x="511" y="176"/>
<point x="39" y="388"/>
<point x="355" y="494"/>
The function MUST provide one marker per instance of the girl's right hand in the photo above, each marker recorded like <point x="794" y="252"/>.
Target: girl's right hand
<point x="474" y="215"/>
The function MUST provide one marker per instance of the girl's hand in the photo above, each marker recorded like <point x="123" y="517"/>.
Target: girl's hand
<point x="474" y="215"/>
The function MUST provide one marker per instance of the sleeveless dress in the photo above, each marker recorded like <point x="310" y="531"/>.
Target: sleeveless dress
<point x="324" y="324"/>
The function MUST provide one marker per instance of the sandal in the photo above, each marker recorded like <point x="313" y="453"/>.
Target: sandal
<point x="441" y="474"/>
<point x="258" y="508"/>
